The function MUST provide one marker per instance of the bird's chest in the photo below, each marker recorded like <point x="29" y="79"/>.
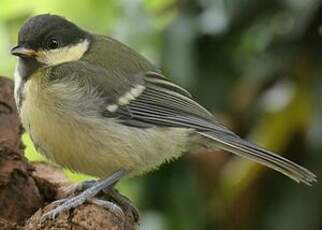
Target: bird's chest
<point x="51" y="127"/>
<point x="44" y="125"/>
<point x="67" y="136"/>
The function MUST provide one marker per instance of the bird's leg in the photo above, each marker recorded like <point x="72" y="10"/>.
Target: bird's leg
<point x="79" y="187"/>
<point x="109" y="194"/>
<point x="87" y="195"/>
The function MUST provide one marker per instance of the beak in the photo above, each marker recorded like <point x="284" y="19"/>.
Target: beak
<point x="21" y="51"/>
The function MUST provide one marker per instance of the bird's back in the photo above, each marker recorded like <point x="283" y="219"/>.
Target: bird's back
<point x="116" y="57"/>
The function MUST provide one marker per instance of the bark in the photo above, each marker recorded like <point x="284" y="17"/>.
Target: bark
<point x="26" y="190"/>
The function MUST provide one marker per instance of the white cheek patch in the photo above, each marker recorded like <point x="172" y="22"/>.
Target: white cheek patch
<point x="62" y="55"/>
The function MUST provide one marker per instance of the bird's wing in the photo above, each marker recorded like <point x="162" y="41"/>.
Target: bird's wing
<point x="148" y="100"/>
<point x="160" y="102"/>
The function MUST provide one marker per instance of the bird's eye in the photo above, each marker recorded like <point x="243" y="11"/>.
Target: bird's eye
<point x="53" y="43"/>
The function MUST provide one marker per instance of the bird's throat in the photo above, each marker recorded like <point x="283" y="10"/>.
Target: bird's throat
<point x="26" y="67"/>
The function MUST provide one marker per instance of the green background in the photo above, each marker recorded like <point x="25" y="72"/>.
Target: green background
<point x="255" y="64"/>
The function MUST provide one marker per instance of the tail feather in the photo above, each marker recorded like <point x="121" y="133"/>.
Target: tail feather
<point x="248" y="150"/>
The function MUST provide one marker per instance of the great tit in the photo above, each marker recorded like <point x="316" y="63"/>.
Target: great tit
<point x="94" y="105"/>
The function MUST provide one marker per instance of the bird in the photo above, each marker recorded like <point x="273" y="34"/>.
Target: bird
<point x="93" y="105"/>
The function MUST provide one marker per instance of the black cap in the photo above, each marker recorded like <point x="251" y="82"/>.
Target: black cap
<point x="38" y="31"/>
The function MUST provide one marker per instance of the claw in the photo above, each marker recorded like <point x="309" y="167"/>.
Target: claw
<point x="110" y="206"/>
<point x="123" y="201"/>
<point x="65" y="205"/>
<point x="87" y="195"/>
<point x="48" y="216"/>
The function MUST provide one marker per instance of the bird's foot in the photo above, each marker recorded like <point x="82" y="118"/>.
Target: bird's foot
<point x="109" y="193"/>
<point x="87" y="196"/>
<point x="124" y="202"/>
<point x="108" y="205"/>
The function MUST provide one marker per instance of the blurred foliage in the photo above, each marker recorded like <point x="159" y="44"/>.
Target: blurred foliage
<point x="255" y="63"/>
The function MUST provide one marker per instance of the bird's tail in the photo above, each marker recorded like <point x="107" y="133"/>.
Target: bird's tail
<point x="243" y="148"/>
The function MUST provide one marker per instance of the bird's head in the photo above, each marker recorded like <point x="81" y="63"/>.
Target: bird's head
<point x="47" y="39"/>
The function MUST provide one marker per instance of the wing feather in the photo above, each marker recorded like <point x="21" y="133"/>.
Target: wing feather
<point x="164" y="104"/>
